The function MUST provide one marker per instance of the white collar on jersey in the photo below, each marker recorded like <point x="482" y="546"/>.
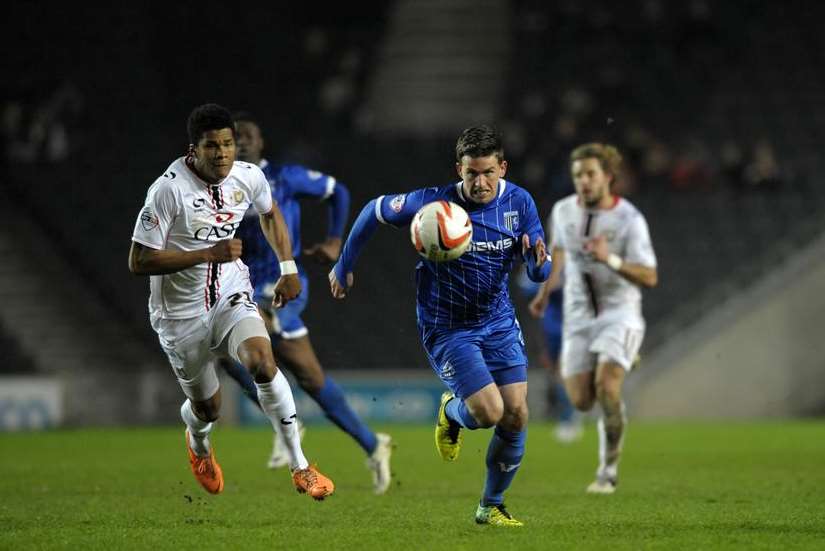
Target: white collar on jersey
<point x="459" y="188"/>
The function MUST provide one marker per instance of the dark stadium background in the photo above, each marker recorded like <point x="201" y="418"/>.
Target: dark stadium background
<point x="717" y="106"/>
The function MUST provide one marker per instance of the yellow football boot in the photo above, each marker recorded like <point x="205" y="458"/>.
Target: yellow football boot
<point x="495" y="515"/>
<point x="447" y="433"/>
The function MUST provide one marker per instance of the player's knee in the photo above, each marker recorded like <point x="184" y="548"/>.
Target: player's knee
<point x="206" y="411"/>
<point x="489" y="415"/>
<point x="608" y="390"/>
<point x="262" y="367"/>
<point x="515" y="419"/>
<point x="582" y="401"/>
<point x="485" y="421"/>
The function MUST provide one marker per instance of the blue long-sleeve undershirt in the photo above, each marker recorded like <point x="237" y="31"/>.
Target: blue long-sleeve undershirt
<point x="362" y="229"/>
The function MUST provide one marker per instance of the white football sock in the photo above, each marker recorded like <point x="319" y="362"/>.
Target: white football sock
<point x="610" y="445"/>
<point x="279" y="437"/>
<point x="279" y="406"/>
<point x="198" y="430"/>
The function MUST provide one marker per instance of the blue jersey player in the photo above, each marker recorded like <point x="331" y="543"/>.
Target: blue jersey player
<point x="569" y="427"/>
<point x="290" y="341"/>
<point x="466" y="321"/>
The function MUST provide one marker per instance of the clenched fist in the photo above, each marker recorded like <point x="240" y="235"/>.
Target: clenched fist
<point x="226" y="250"/>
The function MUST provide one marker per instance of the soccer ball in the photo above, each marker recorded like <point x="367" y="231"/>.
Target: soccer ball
<point x="441" y="231"/>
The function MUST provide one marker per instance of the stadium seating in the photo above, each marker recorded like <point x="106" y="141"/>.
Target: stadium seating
<point x="15" y="361"/>
<point x="692" y="83"/>
<point x="670" y="84"/>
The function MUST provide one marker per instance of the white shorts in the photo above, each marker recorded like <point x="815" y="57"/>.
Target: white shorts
<point x="613" y="337"/>
<point x="192" y="344"/>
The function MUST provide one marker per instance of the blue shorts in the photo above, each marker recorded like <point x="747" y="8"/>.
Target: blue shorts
<point x="468" y="359"/>
<point x="286" y="321"/>
<point x="552" y="327"/>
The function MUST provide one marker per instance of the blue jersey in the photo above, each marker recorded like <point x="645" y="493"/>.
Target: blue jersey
<point x="472" y="290"/>
<point x="289" y="183"/>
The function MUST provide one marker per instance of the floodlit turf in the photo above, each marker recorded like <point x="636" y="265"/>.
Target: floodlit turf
<point x="682" y="486"/>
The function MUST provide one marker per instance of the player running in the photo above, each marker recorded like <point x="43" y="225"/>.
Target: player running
<point x="290" y="341"/>
<point x="603" y="245"/>
<point x="200" y="301"/>
<point x="465" y="318"/>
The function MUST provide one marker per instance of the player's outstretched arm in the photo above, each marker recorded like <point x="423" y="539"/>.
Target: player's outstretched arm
<point x="341" y="277"/>
<point x="397" y="212"/>
<point x="145" y="260"/>
<point x="276" y="232"/>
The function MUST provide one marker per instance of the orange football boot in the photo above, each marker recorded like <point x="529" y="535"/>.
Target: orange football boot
<point x="206" y="469"/>
<point x="310" y="481"/>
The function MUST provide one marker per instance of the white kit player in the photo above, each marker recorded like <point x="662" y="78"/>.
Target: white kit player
<point x="602" y="243"/>
<point x="200" y="301"/>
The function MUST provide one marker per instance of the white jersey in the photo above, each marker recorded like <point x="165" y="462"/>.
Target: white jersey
<point x="590" y="287"/>
<point x="184" y="213"/>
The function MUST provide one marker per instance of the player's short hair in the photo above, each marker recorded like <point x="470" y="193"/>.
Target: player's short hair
<point x="479" y="141"/>
<point x="204" y="118"/>
<point x="608" y="156"/>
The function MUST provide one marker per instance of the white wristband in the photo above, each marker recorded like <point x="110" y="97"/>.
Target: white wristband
<point x="288" y="267"/>
<point x="614" y="261"/>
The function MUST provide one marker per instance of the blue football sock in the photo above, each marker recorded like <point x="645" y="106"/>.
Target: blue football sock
<point x="332" y="401"/>
<point x="243" y="378"/>
<point x="565" y="409"/>
<point x="503" y="459"/>
<point x="457" y="411"/>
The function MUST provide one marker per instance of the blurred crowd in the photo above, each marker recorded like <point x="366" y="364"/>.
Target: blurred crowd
<point x="645" y="85"/>
<point x="651" y="162"/>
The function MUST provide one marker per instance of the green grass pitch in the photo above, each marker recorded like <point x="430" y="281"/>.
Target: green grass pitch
<point x="682" y="486"/>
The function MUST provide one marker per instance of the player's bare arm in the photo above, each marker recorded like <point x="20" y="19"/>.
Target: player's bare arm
<point x="326" y="251"/>
<point x="145" y="260"/>
<point x="645" y="276"/>
<point x="277" y="234"/>
<point x="538" y="305"/>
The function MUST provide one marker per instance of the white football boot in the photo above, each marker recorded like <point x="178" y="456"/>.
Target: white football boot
<point x="379" y="463"/>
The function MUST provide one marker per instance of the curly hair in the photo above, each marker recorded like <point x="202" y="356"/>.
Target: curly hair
<point x="204" y="118"/>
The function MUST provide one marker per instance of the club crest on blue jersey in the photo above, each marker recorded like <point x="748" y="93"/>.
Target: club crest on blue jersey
<point x="511" y="220"/>
<point x="398" y="201"/>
